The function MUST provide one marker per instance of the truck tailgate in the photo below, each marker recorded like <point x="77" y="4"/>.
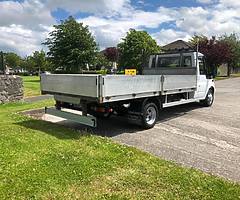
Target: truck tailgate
<point x="70" y="84"/>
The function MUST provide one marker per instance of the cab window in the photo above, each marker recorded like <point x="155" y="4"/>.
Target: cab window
<point x="187" y="61"/>
<point x="169" y="61"/>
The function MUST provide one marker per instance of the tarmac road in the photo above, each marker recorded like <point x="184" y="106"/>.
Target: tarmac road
<point x="191" y="135"/>
<point x="203" y="138"/>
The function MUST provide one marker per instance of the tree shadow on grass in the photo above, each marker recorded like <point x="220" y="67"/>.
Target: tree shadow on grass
<point x="54" y="129"/>
<point x="71" y="130"/>
<point x="105" y="127"/>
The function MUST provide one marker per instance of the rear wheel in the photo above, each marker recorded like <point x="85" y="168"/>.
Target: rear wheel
<point x="150" y="115"/>
<point x="208" y="101"/>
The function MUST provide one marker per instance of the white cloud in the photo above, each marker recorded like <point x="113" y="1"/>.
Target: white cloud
<point x="24" y="25"/>
<point x="205" y="1"/>
<point x="212" y="20"/>
<point x="230" y="3"/>
<point x="192" y="20"/>
<point x="29" y="13"/>
<point x="109" y="31"/>
<point x="21" y="40"/>
<point x="91" y="6"/>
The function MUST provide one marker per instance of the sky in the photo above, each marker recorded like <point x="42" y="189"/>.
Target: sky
<point x="25" y="24"/>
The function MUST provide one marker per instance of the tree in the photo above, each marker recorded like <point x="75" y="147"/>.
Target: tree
<point x="39" y="61"/>
<point x="217" y="52"/>
<point x="27" y="64"/>
<point x="196" y="39"/>
<point x="136" y="48"/>
<point x="233" y="41"/>
<point x="112" y="54"/>
<point x="71" y="46"/>
<point x="36" y="62"/>
<point x="12" y="60"/>
<point x="101" y="61"/>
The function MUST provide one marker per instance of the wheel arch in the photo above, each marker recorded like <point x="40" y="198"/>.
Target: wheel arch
<point x="213" y="89"/>
<point x="210" y="88"/>
<point x="155" y="100"/>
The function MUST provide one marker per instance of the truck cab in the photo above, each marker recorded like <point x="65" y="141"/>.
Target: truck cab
<point x="183" y="63"/>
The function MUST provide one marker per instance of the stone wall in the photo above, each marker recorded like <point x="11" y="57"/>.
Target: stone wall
<point x="11" y="88"/>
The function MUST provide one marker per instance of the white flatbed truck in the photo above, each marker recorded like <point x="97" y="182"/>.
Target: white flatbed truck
<point x="168" y="80"/>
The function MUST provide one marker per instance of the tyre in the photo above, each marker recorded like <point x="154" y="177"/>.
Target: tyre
<point x="150" y="115"/>
<point x="208" y="101"/>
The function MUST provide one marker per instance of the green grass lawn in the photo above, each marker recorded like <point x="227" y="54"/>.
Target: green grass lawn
<point x="224" y="77"/>
<point x="31" y="85"/>
<point x="40" y="160"/>
<point x="218" y="78"/>
<point x="235" y="75"/>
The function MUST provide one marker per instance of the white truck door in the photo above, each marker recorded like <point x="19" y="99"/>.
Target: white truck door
<point x="202" y="81"/>
<point x="202" y="85"/>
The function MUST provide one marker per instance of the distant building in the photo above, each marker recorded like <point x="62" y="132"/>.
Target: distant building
<point x="178" y="45"/>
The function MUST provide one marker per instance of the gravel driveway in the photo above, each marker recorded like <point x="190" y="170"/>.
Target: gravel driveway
<point x="203" y="138"/>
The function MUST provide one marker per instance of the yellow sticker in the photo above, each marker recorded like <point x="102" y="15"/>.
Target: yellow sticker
<point x="131" y="72"/>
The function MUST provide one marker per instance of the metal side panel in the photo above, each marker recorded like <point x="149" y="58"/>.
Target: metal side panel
<point x="74" y="84"/>
<point x="86" y="120"/>
<point x="123" y="85"/>
<point x="117" y="88"/>
<point x="174" y="82"/>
